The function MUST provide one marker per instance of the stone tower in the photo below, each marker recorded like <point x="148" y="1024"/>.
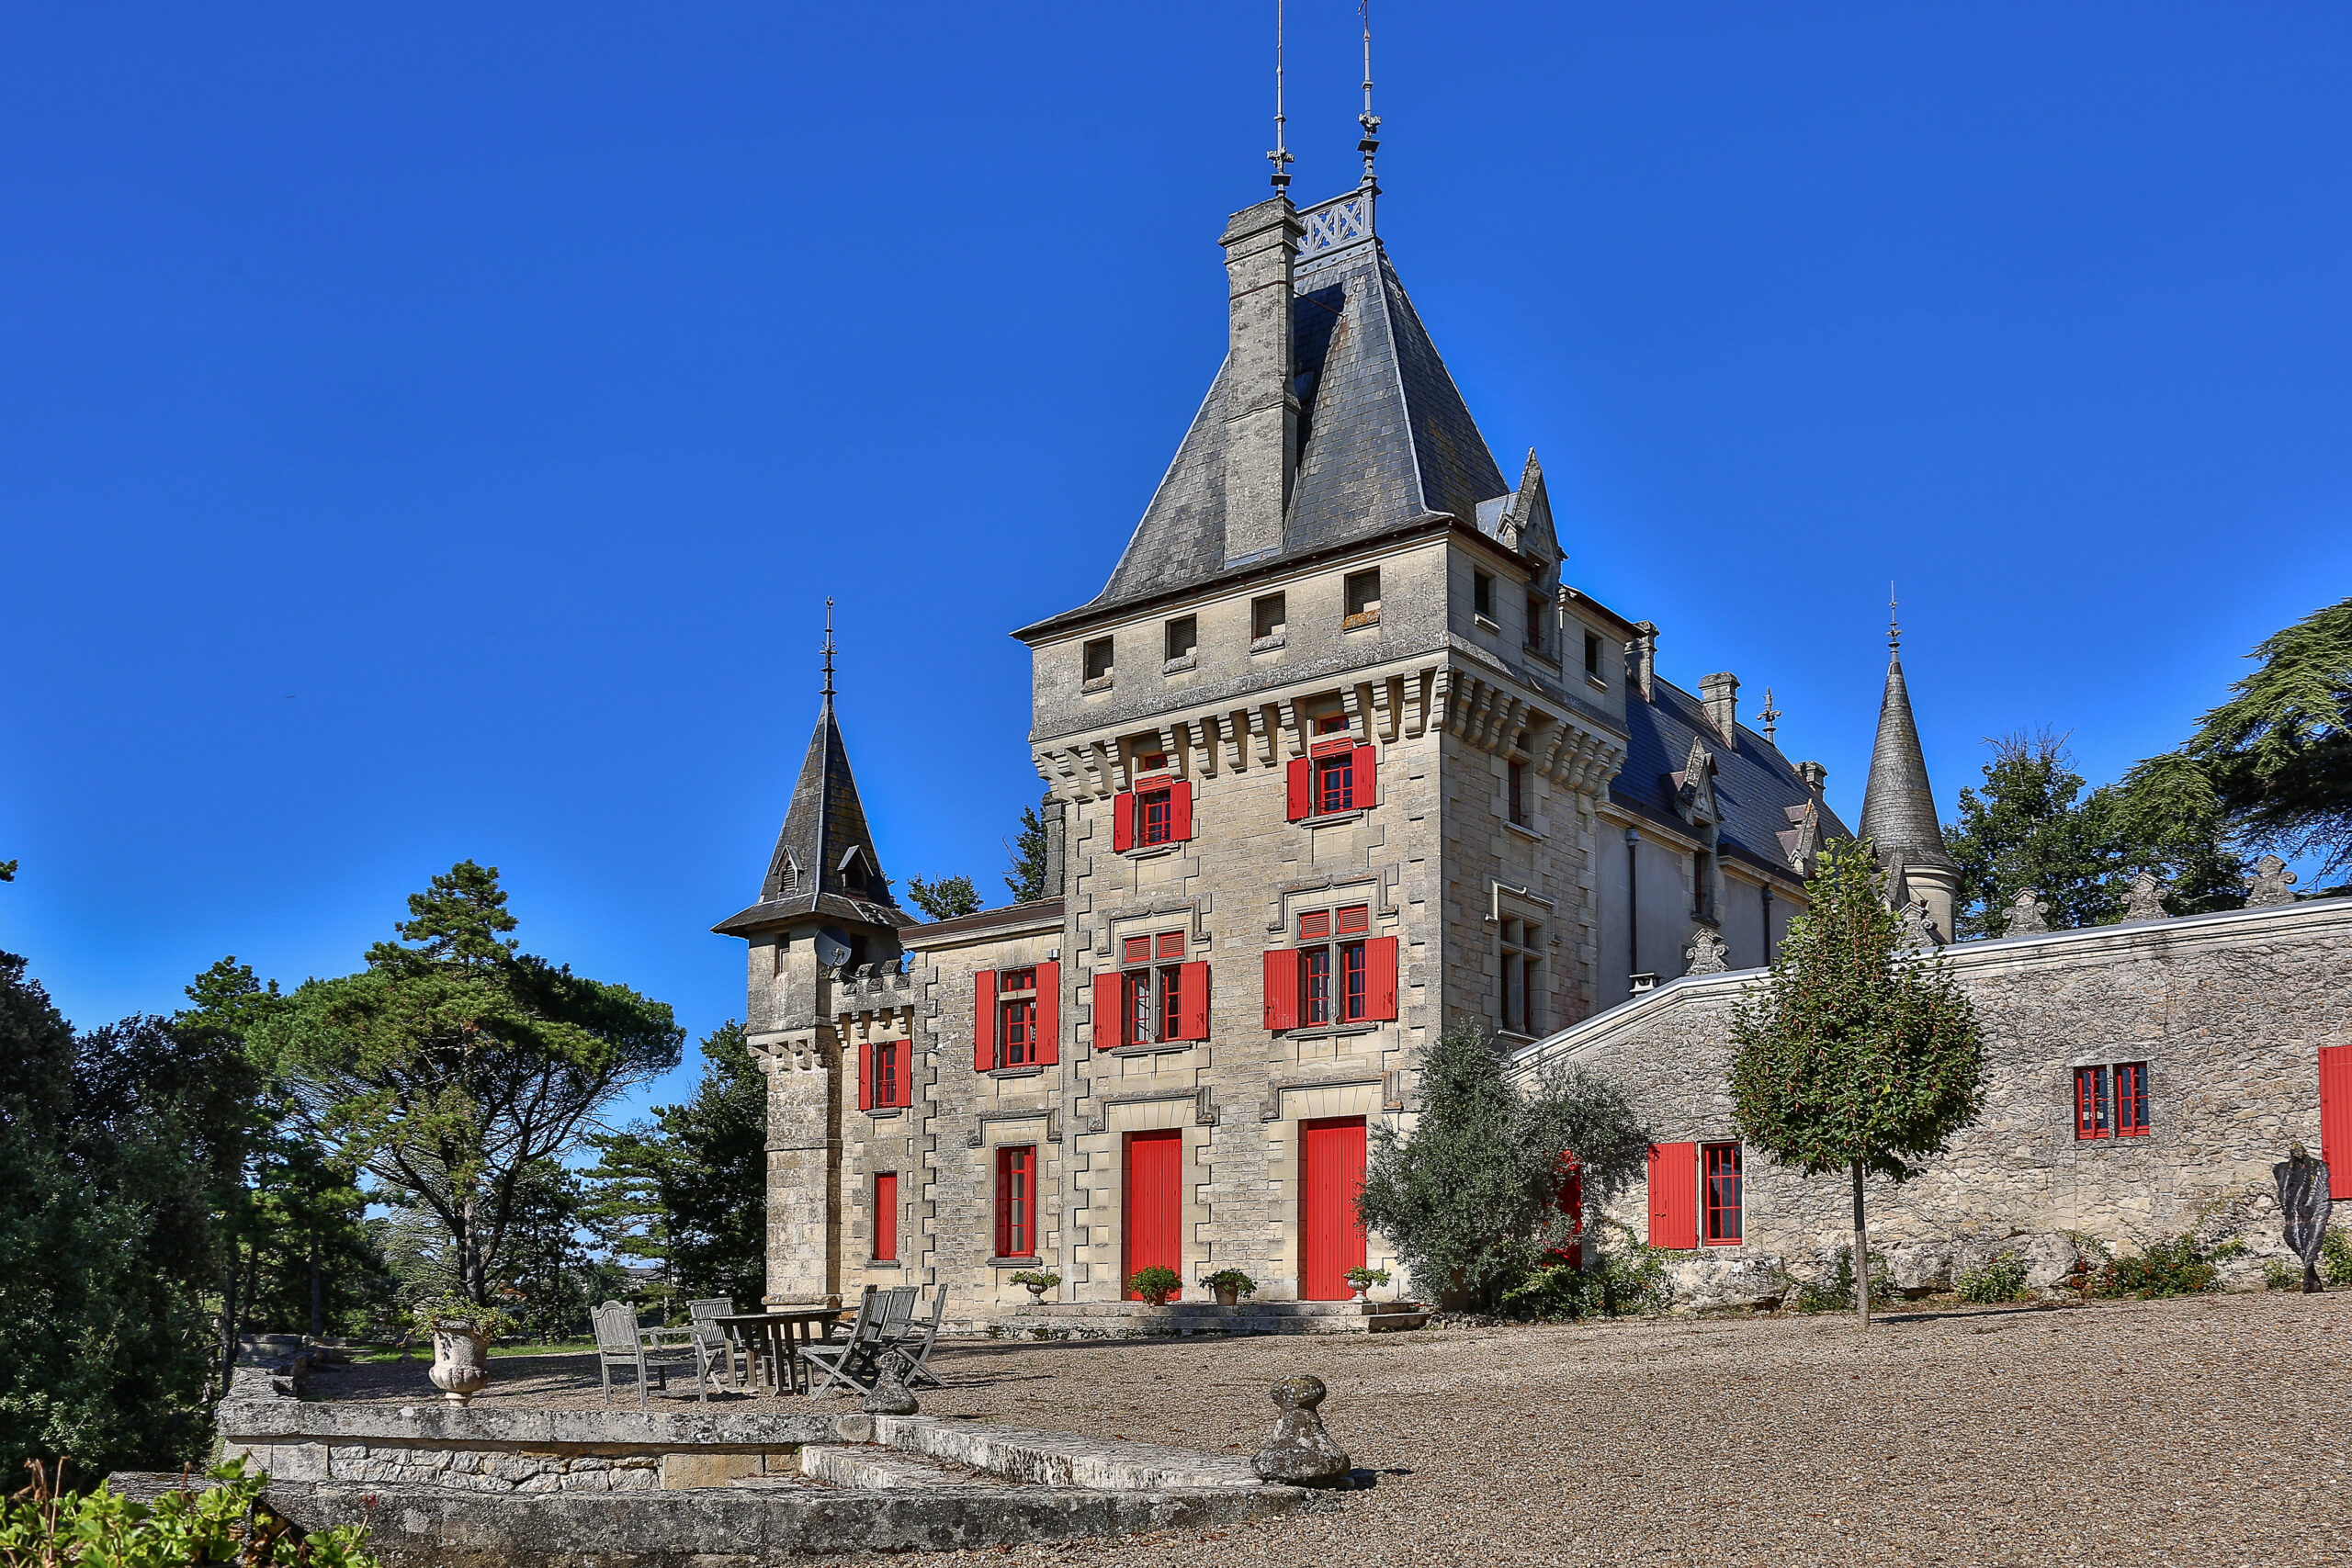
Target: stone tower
<point x="1899" y="808"/>
<point x="826" y="975"/>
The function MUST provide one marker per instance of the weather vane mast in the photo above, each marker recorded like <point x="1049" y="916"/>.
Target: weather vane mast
<point x="1769" y="717"/>
<point x="829" y="651"/>
<point x="1894" y="632"/>
<point x="1280" y="157"/>
<point x="1369" y="120"/>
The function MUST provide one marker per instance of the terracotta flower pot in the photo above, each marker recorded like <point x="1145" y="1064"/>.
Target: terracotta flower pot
<point x="1228" y="1295"/>
<point x="460" y="1362"/>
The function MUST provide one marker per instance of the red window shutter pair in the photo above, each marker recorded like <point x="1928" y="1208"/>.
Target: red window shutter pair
<point x="1363" y="780"/>
<point x="1282" y="984"/>
<point x="1674" y="1209"/>
<point x="1126" y="808"/>
<point x="2336" y="1117"/>
<point x="1111" y="1005"/>
<point x="1045" y="1042"/>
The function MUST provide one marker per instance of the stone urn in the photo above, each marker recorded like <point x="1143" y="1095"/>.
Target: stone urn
<point x="460" y="1362"/>
<point x="1036" y="1292"/>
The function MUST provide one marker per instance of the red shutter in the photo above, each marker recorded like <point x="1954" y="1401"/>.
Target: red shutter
<point x="1380" y="978"/>
<point x="1122" y="821"/>
<point x="885" y="1218"/>
<point x="1109" y="1002"/>
<point x="1192" y="1000"/>
<point x="984" y="1021"/>
<point x="1302" y="789"/>
<point x="1674" y="1207"/>
<point x="1047" y="1044"/>
<point x="905" y="1073"/>
<point x="2336" y="1117"/>
<point x="1004" y="1202"/>
<point x="1180" y="810"/>
<point x="1282" y="987"/>
<point x="1367" y="777"/>
<point x="864" y="1074"/>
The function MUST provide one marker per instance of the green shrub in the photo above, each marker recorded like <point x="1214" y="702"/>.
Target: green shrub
<point x="2166" y="1266"/>
<point x="1998" y="1279"/>
<point x="2335" y="1259"/>
<point x="1632" y="1281"/>
<point x="1836" y="1292"/>
<point x="1232" y="1279"/>
<point x="226" y="1523"/>
<point x="2278" y="1275"/>
<point x="1155" y="1284"/>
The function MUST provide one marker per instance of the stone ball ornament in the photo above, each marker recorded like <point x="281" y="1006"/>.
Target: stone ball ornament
<point x="1301" y="1452"/>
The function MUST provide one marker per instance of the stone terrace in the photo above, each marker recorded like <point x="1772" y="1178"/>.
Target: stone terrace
<point x="2211" y="1429"/>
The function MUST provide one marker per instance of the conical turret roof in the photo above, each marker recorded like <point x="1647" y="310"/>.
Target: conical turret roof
<point x="1898" y="806"/>
<point x="825" y="861"/>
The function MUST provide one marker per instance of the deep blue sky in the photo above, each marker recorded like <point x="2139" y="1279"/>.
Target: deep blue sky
<point x="431" y="431"/>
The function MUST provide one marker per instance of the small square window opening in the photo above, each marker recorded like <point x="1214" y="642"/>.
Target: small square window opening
<point x="1269" y="618"/>
<point x="1593" y="655"/>
<point x="1097" y="664"/>
<point x="1482" y="595"/>
<point x="1535" y="623"/>
<point x="1182" y="639"/>
<point x="1518" y="791"/>
<point x="1362" y="598"/>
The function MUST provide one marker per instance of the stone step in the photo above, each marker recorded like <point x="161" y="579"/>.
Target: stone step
<point x="866" y="1468"/>
<point x="1062" y="1459"/>
<point x="1113" y="1320"/>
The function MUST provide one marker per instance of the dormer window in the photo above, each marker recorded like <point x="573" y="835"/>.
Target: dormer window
<point x="853" y="869"/>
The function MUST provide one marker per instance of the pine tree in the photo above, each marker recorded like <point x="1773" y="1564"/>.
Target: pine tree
<point x="946" y="898"/>
<point x="1028" y="879"/>
<point x="1857" y="1056"/>
<point x="2278" y="753"/>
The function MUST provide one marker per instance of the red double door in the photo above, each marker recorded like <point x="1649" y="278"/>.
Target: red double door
<point x="1330" y="1236"/>
<point x="1155" y="1203"/>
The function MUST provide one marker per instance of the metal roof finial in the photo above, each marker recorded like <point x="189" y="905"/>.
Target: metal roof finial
<point x="1770" y="717"/>
<point x="1894" y="632"/>
<point x="1369" y="120"/>
<point x="1280" y="156"/>
<point x="829" y="652"/>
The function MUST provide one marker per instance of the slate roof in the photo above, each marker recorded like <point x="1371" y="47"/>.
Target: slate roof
<point x="1384" y="439"/>
<point x="1756" y="787"/>
<point x="1898" y="806"/>
<point x="825" y="831"/>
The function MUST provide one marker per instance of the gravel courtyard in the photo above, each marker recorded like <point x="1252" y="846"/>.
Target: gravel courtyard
<point x="2207" y="1430"/>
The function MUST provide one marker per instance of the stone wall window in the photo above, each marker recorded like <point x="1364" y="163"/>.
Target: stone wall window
<point x="1482" y="597"/>
<point x="2111" y="1101"/>
<point x="1535" y="624"/>
<point x="1719" y="1176"/>
<point x="1519" y="1006"/>
<point x="1269" y="622"/>
<point x="1334" y="973"/>
<point x="1096" y="664"/>
<point x="1182" y="643"/>
<point x="1362" y="598"/>
<point x="1154" y="996"/>
<point x="884" y="1079"/>
<point x="1593" y="655"/>
<point x="1016" y="1202"/>
<point x="886" y="1216"/>
<point x="1518" y="781"/>
<point x="1016" y="1009"/>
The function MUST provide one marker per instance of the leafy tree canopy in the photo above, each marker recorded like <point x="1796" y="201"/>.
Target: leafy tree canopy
<point x="1027" y="881"/>
<point x="946" y="898"/>
<point x="2278" y="753"/>
<point x="1470" y="1199"/>
<point x="453" y="1063"/>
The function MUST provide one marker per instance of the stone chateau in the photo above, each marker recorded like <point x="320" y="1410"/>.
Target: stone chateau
<point x="1335" y="758"/>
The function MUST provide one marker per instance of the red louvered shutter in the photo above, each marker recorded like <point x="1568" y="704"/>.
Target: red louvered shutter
<point x="1110" y="998"/>
<point x="905" y="1073"/>
<point x="1282" y="987"/>
<point x="1302" y="789"/>
<point x="1192" y="1000"/>
<point x="1380" y="978"/>
<point x="1122" y="821"/>
<point x="1674" y="1196"/>
<point x="1004" y="1202"/>
<point x="1366" y="771"/>
<point x="864" y="1074"/>
<point x="1180" y="810"/>
<point x="1046" y="1038"/>
<point x="984" y="1021"/>
<point x="2336" y="1117"/>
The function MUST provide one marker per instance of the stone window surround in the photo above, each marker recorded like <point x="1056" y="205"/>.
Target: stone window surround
<point x="2147" y="1055"/>
<point x="1312" y="1102"/>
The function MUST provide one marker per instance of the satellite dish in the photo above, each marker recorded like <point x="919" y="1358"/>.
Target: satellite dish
<point x="831" y="951"/>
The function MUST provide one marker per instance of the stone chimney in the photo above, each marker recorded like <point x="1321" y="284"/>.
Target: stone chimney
<point x="1720" y="692"/>
<point x="1261" y="402"/>
<point x="1641" y="658"/>
<point x="1812" y="774"/>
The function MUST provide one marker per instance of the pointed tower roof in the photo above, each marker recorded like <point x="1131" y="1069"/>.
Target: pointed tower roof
<point x="1385" y="437"/>
<point x="825" y="862"/>
<point x="1898" y="806"/>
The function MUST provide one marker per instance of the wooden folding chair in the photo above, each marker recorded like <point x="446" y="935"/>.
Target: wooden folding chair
<point x="917" y="1343"/>
<point x="702" y="1318"/>
<point x="842" y="1360"/>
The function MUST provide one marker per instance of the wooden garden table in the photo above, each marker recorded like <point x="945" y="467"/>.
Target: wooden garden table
<point x="774" y="1340"/>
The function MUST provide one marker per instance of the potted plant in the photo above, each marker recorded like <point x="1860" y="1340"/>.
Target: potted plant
<point x="461" y="1334"/>
<point x="1037" y="1281"/>
<point x="1363" y="1280"/>
<point x="1231" y="1285"/>
<point x="1156" y="1284"/>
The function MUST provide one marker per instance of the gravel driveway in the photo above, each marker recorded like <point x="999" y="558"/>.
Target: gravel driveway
<point x="2208" y="1431"/>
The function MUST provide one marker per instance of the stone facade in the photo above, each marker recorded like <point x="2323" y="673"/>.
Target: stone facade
<point x="2229" y="1011"/>
<point x="1539" y="823"/>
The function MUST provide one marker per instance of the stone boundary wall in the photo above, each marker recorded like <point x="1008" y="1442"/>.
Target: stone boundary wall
<point x="2229" y="1011"/>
